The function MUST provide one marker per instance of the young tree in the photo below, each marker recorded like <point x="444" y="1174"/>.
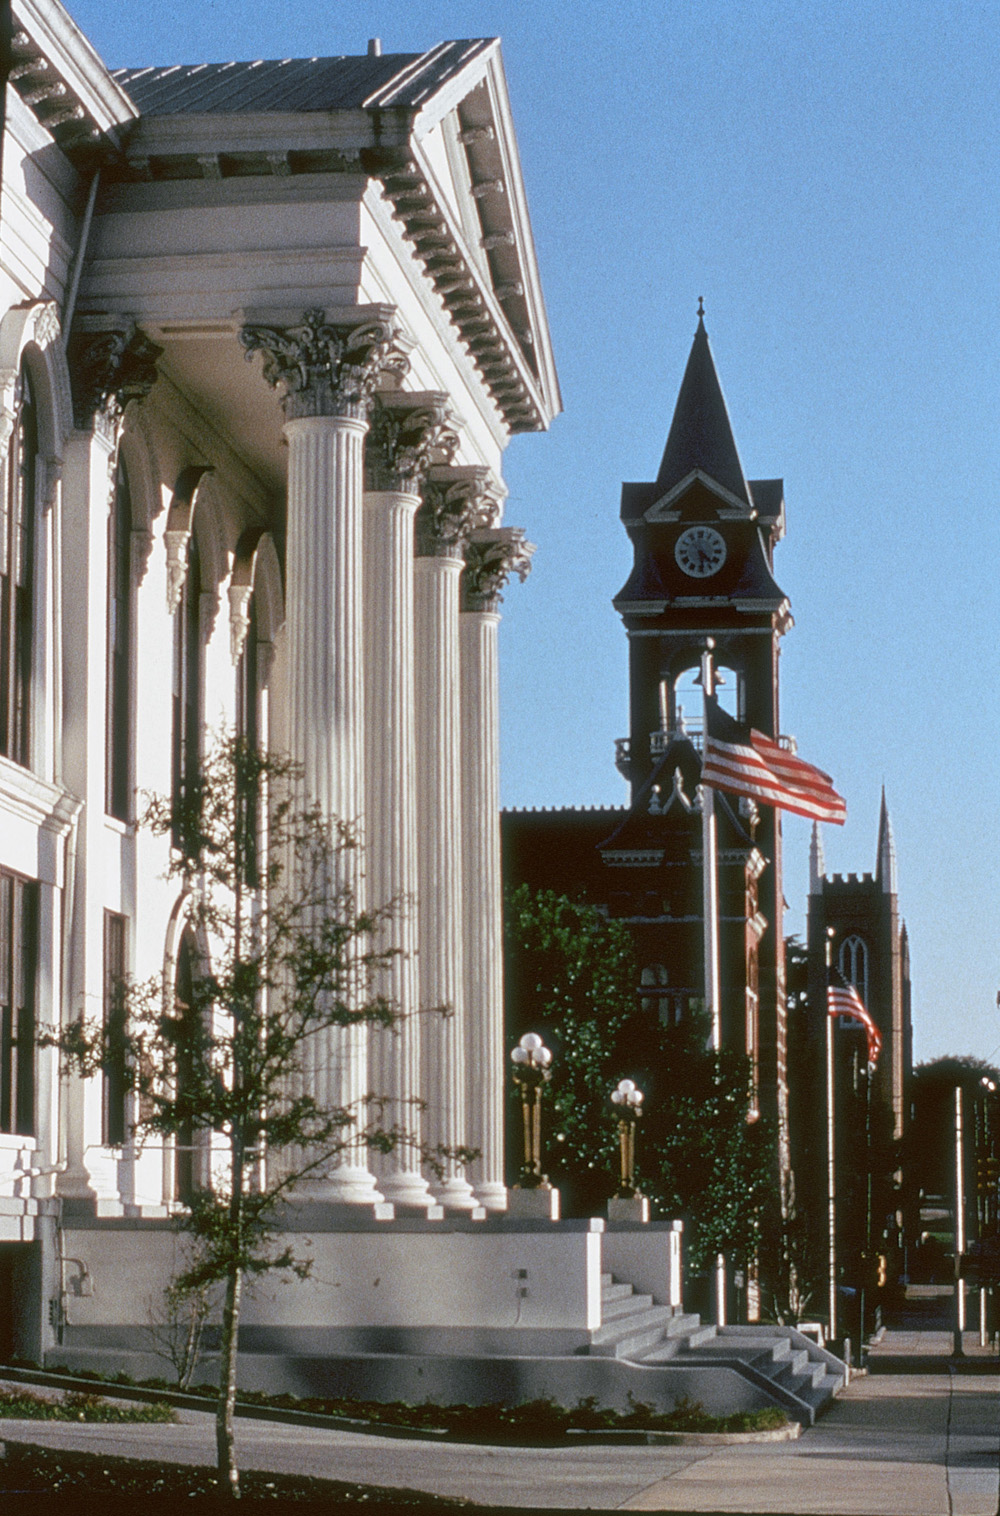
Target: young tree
<point x="287" y="958"/>
<point x="572" y="976"/>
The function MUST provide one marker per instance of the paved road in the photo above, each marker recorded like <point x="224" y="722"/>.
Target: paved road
<point x="892" y="1445"/>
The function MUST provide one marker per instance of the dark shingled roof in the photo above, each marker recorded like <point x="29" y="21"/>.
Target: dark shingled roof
<point x="701" y="436"/>
<point x="298" y="84"/>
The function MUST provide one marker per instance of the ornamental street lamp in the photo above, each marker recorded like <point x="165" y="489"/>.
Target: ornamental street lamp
<point x="531" y="1060"/>
<point x="628" y="1100"/>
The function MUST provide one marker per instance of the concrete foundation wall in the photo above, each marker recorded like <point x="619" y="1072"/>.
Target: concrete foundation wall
<point x="467" y="1280"/>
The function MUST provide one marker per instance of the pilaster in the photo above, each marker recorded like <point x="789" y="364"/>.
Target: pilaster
<point x="109" y="368"/>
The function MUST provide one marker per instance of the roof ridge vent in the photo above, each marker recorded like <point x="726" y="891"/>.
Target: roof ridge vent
<point x="374" y="47"/>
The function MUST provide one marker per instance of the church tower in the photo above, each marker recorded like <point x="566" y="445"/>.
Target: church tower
<point x="703" y="537"/>
<point x="870" y="949"/>
<point x="859" y="915"/>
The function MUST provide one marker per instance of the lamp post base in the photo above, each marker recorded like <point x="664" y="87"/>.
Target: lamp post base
<point x="628" y="1208"/>
<point x="538" y="1204"/>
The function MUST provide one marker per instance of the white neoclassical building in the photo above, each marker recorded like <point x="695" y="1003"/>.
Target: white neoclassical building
<point x="265" y="332"/>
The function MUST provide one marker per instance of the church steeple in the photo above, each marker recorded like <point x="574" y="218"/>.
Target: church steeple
<point x="817" y="862"/>
<point x="701" y="435"/>
<point x="885" y="866"/>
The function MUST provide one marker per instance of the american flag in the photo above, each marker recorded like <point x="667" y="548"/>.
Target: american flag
<point x="745" y="762"/>
<point x="844" y="1000"/>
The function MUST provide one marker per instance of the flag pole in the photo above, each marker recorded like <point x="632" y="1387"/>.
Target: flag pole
<point x="710" y="913"/>
<point x="831" y="1147"/>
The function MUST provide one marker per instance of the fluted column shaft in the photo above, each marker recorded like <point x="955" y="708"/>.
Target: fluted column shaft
<point x="483" y="921"/>
<point x="436" y="589"/>
<point x="394" y="1054"/>
<point x="326" y="712"/>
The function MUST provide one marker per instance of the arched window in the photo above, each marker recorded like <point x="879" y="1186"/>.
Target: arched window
<point x="17" y="551"/>
<point x="853" y="964"/>
<point x="683" y="702"/>
<point x="118" y="747"/>
<point x="187" y="693"/>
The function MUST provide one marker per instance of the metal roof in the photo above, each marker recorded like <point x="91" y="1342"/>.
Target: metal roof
<point x="298" y="84"/>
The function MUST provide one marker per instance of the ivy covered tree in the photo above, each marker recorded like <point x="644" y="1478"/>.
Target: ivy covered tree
<point x="572" y="976"/>
<point x="286" y="957"/>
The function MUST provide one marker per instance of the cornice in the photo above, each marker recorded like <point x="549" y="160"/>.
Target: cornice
<point x="35" y="800"/>
<point x="58" y="74"/>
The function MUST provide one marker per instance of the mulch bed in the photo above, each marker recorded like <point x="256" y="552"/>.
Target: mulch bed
<point x="72" y="1480"/>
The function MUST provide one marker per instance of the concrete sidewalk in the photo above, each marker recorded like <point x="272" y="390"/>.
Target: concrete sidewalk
<point x="890" y="1445"/>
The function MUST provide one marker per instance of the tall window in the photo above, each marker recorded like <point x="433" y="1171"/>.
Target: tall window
<point x="113" y="1122"/>
<point x="187" y="697"/>
<point x="248" y="729"/>
<point x="118" y="744"/>
<point x="853" y="964"/>
<point x="17" y="527"/>
<point x="185" y="1011"/>
<point x="18" y="957"/>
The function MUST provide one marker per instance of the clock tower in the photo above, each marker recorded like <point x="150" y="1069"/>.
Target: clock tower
<point x="703" y="537"/>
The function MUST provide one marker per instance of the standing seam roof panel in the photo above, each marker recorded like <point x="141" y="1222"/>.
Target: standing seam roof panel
<point x="297" y="84"/>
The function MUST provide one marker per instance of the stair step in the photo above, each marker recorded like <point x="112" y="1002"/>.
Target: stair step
<point x="629" y="1305"/>
<point x="616" y="1292"/>
<point x="627" y="1334"/>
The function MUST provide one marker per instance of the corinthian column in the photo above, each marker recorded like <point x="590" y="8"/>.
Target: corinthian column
<point x="455" y="503"/>
<point x="408" y="432"/>
<point x="490" y="559"/>
<point x="328" y="368"/>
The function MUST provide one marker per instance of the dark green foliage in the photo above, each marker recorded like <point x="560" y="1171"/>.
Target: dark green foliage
<point x="698" y="1156"/>
<point x="25" y="1405"/>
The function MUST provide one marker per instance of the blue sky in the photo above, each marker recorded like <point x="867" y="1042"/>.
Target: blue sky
<point x="825" y="175"/>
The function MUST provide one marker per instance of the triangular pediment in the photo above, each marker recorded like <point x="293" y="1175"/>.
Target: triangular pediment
<point x="668" y="506"/>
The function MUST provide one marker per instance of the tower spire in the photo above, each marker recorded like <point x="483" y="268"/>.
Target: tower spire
<point x="817" y="863"/>
<point x="885" y="865"/>
<point x="701" y="435"/>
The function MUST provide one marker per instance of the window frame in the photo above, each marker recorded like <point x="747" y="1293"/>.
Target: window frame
<point x="18" y="511"/>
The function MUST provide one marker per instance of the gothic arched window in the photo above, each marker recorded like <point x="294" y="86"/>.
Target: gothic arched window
<point x="17" y="550"/>
<point x="853" y="964"/>
<point x="187" y="691"/>
<point x="118" y="750"/>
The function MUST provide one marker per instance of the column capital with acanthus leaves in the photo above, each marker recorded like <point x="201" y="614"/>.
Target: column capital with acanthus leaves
<point x="408" y="434"/>
<point x="457" y="501"/>
<point x="329" y="362"/>
<point x="491" y="557"/>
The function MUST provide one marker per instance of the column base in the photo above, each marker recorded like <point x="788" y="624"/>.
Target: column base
<point x="633" y="1208"/>
<point x="492" y="1196"/>
<point x="539" y="1204"/>
<point x="405" y="1188"/>
<point x="343" y="1186"/>
<point x="458" y="1195"/>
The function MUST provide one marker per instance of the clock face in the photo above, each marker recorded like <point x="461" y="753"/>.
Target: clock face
<point x="700" y="551"/>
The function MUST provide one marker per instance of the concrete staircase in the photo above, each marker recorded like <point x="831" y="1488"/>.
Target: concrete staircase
<point x="789" y="1368"/>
